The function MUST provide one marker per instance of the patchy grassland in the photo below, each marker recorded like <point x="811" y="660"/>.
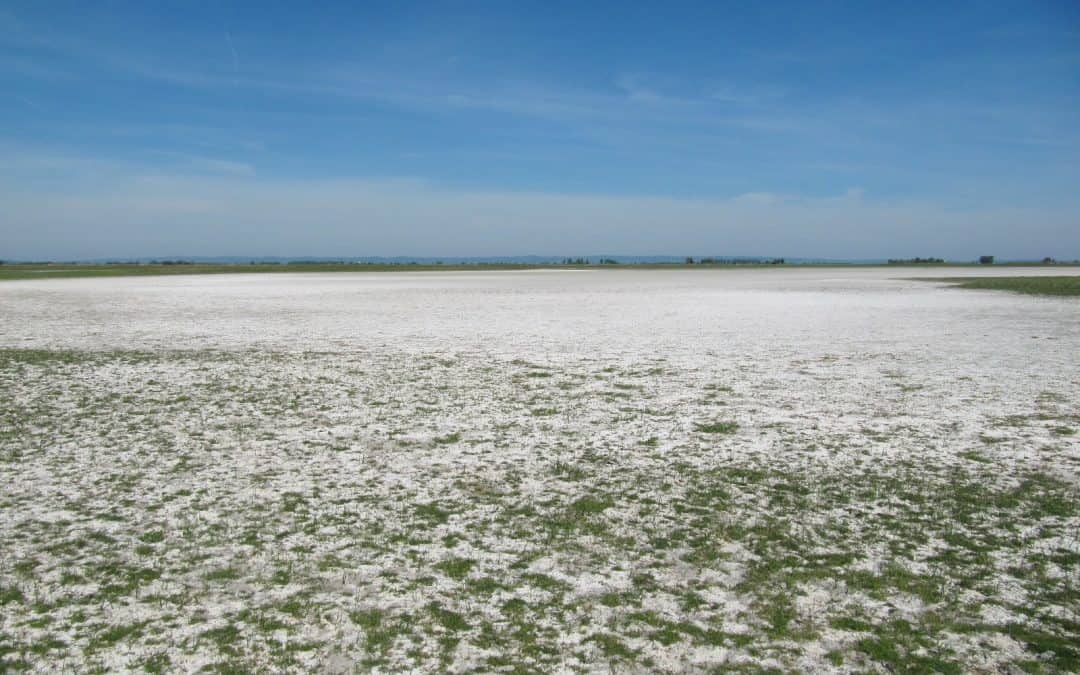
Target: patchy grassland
<point x="1060" y="286"/>
<point x="374" y="509"/>
<point x="24" y="271"/>
<point x="34" y="271"/>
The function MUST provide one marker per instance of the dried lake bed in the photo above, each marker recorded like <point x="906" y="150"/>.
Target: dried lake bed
<point x="806" y="469"/>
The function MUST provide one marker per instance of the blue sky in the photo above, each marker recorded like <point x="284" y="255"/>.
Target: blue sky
<point x="820" y="129"/>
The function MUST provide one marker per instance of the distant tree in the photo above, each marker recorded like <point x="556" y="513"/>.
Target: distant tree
<point x="986" y="260"/>
<point x="689" y="260"/>
<point x="915" y="261"/>
<point x="1047" y="260"/>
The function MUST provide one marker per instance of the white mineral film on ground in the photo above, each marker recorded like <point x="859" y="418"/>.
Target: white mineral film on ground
<point x="812" y="469"/>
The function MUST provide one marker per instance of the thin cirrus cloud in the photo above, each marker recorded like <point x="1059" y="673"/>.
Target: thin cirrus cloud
<point x="357" y="82"/>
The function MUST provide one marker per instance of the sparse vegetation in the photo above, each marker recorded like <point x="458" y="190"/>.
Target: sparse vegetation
<point x="1059" y="286"/>
<point x="794" y="506"/>
<point x="717" y="427"/>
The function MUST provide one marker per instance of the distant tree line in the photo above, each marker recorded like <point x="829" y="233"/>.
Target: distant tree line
<point x="150" y="262"/>
<point x="689" y="260"/>
<point x="916" y="261"/>
<point x="735" y="261"/>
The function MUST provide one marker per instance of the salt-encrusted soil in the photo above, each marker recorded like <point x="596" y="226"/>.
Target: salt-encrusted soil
<point x="805" y="470"/>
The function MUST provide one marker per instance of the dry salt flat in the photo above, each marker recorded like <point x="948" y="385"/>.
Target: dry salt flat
<point x="817" y="469"/>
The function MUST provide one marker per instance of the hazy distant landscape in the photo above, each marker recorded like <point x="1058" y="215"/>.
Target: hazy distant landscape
<point x="795" y="468"/>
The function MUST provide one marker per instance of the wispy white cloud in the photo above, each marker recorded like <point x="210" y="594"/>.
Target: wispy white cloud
<point x="232" y="51"/>
<point x="212" y="138"/>
<point x="752" y="95"/>
<point x="631" y="84"/>
<point x="635" y="103"/>
<point x="131" y="212"/>
<point x="357" y="82"/>
<point x="89" y="173"/>
<point x="27" y="101"/>
<point x="25" y="68"/>
<point x="221" y="166"/>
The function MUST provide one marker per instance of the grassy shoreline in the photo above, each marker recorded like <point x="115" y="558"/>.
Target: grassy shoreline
<point x="17" y="272"/>
<point x="1064" y="286"/>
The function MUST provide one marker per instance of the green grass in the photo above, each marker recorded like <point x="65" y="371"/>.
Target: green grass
<point x="380" y="630"/>
<point x="432" y="513"/>
<point x="612" y="646"/>
<point x="448" y="619"/>
<point x="40" y="357"/>
<point x="1058" y="286"/>
<point x="22" y="271"/>
<point x="14" y="272"/>
<point x="10" y="594"/>
<point x="589" y="506"/>
<point x="456" y="568"/>
<point x="717" y="427"/>
<point x="223" y="574"/>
